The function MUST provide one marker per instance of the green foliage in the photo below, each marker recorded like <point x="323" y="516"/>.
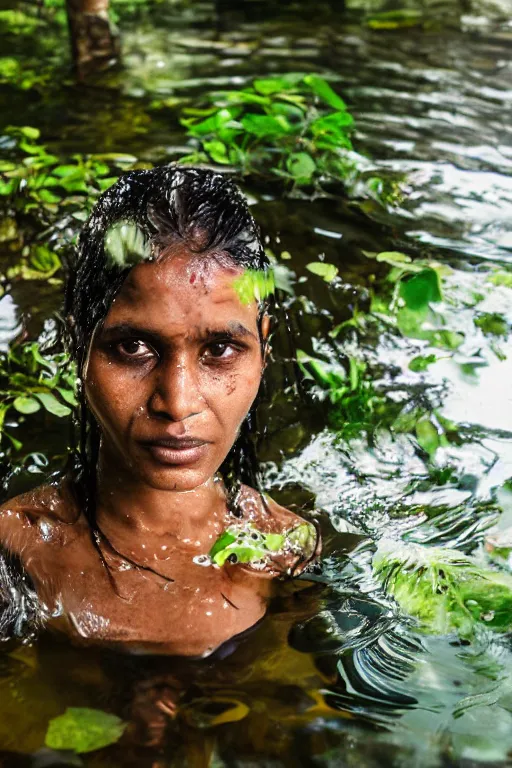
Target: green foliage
<point x="500" y="277"/>
<point x="246" y="544"/>
<point x="399" y="19"/>
<point x="31" y="381"/>
<point x="82" y="730"/>
<point x="294" y="126"/>
<point x="254" y="285"/>
<point x="355" y="405"/>
<point x="50" y="195"/>
<point x="417" y="289"/>
<point x="443" y="588"/>
<point x="492" y="324"/>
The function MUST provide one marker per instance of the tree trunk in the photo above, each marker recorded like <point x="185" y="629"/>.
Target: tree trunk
<point x="94" y="39"/>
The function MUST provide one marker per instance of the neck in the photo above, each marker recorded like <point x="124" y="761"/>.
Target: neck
<point x="126" y="504"/>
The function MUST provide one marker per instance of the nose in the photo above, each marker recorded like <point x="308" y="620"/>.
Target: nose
<point x="177" y="394"/>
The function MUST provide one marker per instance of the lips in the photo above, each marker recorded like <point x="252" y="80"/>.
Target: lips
<point x="175" y="451"/>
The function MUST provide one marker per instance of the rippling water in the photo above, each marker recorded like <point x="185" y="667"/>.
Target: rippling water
<point x="341" y="678"/>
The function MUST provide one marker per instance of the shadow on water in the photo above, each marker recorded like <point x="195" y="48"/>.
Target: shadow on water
<point x="335" y="675"/>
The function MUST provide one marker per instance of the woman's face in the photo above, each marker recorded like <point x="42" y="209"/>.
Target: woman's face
<point x="174" y="370"/>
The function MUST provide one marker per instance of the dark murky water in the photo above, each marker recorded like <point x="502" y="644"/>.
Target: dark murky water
<point x="334" y="676"/>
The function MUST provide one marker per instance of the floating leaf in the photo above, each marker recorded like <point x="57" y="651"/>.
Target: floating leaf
<point x="321" y="268"/>
<point x="82" y="730"/>
<point x="421" y="363"/>
<point x="395" y="258"/>
<point x="26" y="405"/>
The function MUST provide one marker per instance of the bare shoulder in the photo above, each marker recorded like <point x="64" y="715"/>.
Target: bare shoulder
<point x="265" y="513"/>
<point x="36" y="516"/>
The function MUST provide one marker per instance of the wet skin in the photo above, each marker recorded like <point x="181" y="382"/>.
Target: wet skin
<point x="170" y="377"/>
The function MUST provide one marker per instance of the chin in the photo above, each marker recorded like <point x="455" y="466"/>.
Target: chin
<point x="180" y="479"/>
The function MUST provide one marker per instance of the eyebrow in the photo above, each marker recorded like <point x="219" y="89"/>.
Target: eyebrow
<point x="233" y="330"/>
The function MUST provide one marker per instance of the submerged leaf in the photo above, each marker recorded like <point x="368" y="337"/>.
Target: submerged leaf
<point x="84" y="730"/>
<point x="444" y="589"/>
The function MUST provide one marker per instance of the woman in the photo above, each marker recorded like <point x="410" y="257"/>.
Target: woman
<point x="154" y="542"/>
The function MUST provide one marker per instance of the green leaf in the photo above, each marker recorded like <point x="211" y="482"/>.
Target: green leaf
<point x="395" y="258"/>
<point x="126" y="244"/>
<point x="44" y="260"/>
<point x="52" y="405"/>
<point x="217" y="151"/>
<point x="417" y="291"/>
<point x="324" y="91"/>
<point x="301" y="166"/>
<point x="399" y="19"/>
<point x="269" y="86"/>
<point x="82" y="730"/>
<point x="444" y="589"/>
<point x="427" y="436"/>
<point x="29" y="132"/>
<point x="266" y="125"/>
<point x="254" y="285"/>
<point x="421" y="363"/>
<point x="222" y="542"/>
<point x="321" y="268"/>
<point x="26" y="405"/>
<point x="492" y="324"/>
<point x="274" y="541"/>
<point x="17" y="444"/>
<point x="336" y="123"/>
<point x="500" y="277"/>
<point x="68" y="395"/>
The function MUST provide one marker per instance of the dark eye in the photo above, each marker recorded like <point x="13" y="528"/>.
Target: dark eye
<point x="219" y="351"/>
<point x="135" y="349"/>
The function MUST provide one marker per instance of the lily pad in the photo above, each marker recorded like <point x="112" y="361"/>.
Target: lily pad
<point x="81" y="729"/>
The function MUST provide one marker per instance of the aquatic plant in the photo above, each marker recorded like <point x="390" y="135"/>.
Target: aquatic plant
<point x="444" y="589"/>
<point x="52" y="195"/>
<point x="293" y="126"/>
<point x="246" y="544"/>
<point x="81" y="730"/>
<point x="31" y="381"/>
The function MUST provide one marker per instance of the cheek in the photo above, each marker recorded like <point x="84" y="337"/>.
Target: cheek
<point x="232" y="394"/>
<point x="109" y="394"/>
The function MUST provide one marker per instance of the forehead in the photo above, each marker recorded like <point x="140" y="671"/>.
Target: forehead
<point x="182" y="288"/>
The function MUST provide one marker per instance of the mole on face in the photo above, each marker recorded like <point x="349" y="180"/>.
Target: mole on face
<point x="174" y="370"/>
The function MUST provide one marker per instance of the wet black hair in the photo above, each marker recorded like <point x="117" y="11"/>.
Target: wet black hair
<point x="153" y="210"/>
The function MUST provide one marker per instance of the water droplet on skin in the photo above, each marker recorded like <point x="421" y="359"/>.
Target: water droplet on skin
<point x="203" y="560"/>
<point x="46" y="530"/>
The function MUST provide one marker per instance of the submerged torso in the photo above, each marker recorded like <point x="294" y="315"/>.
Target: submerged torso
<point x="171" y="602"/>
